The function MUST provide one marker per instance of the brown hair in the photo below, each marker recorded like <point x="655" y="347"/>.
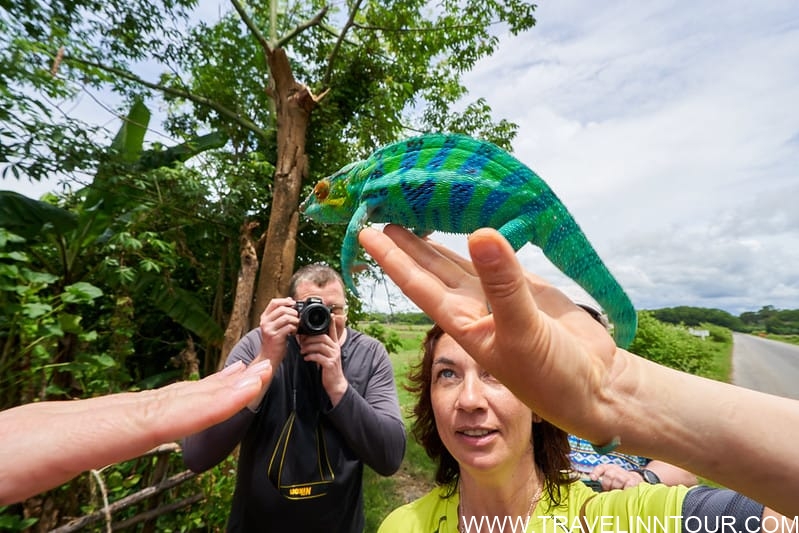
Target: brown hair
<point x="550" y="443"/>
<point x="319" y="274"/>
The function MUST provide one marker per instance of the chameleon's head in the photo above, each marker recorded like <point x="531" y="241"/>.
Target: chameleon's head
<point x="333" y="200"/>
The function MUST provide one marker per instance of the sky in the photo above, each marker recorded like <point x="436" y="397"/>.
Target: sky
<point x="670" y="130"/>
<point x="671" y="133"/>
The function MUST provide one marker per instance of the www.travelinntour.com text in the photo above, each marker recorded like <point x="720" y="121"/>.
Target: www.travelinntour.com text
<point x="637" y="524"/>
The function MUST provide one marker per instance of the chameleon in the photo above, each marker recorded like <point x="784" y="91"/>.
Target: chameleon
<point x="454" y="183"/>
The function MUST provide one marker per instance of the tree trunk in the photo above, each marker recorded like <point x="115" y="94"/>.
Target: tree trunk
<point x="239" y="321"/>
<point x="293" y="105"/>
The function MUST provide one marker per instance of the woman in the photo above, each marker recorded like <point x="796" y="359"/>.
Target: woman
<point x="500" y="467"/>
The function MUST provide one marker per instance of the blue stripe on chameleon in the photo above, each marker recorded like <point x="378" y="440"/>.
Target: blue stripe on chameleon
<point x="557" y="235"/>
<point x="493" y="202"/>
<point x="474" y="164"/>
<point x="377" y="171"/>
<point x="411" y="155"/>
<point x="518" y="178"/>
<point x="418" y="196"/>
<point x="441" y="155"/>
<point x="459" y="197"/>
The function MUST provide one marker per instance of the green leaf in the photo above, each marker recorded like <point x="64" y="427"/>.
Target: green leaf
<point x="50" y="329"/>
<point x="69" y="322"/>
<point x="22" y="257"/>
<point x="182" y="307"/>
<point x="80" y="292"/>
<point x="36" y="309"/>
<point x="105" y="360"/>
<point x="30" y="218"/>
<point x="130" y="137"/>
<point x="43" y="278"/>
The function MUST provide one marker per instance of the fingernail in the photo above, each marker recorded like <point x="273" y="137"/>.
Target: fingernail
<point x="231" y="369"/>
<point x="260" y="366"/>
<point x="484" y="250"/>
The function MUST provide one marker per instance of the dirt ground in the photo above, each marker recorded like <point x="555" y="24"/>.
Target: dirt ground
<point x="409" y="487"/>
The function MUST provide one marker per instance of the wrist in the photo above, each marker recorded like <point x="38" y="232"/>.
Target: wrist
<point x="648" y="476"/>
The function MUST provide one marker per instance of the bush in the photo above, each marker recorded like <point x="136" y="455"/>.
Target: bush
<point x="671" y="345"/>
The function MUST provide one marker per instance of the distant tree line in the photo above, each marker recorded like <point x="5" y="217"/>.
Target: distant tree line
<point x="416" y="318"/>
<point x="767" y="319"/>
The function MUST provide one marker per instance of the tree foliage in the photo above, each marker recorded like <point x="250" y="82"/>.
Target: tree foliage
<point x="113" y="284"/>
<point x="768" y="319"/>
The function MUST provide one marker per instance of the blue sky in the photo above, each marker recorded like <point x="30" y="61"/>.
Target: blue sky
<point x="669" y="130"/>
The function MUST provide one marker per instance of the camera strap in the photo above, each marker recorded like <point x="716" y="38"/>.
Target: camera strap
<point x="300" y="465"/>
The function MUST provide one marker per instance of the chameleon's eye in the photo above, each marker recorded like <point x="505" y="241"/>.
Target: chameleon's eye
<point x="321" y="190"/>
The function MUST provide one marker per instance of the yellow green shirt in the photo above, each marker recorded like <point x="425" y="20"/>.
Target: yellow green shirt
<point x="642" y="509"/>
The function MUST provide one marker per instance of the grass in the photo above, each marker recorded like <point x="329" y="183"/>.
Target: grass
<point x="720" y="366"/>
<point x="384" y="494"/>
<point x="790" y="339"/>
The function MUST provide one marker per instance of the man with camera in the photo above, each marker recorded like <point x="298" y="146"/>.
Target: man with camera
<point x="330" y="407"/>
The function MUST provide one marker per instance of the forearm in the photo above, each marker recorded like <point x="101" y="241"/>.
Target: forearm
<point x="739" y="438"/>
<point x="208" y="448"/>
<point x="45" y="444"/>
<point x="376" y="436"/>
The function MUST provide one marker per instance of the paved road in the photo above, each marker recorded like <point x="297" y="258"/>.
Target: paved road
<point x="765" y="365"/>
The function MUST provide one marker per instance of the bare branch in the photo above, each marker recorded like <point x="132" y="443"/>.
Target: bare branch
<point x="313" y="21"/>
<point x="332" y="59"/>
<point x="252" y="27"/>
<point x="197" y="99"/>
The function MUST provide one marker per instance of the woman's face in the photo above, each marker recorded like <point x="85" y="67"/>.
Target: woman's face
<point x="482" y="424"/>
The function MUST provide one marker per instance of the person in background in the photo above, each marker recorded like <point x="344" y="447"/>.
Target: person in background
<point x="567" y="369"/>
<point x="330" y="408"/>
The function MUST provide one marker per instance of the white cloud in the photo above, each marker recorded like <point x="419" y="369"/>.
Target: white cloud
<point x="671" y="133"/>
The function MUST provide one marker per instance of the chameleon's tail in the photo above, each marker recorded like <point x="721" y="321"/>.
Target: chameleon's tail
<point x="570" y="251"/>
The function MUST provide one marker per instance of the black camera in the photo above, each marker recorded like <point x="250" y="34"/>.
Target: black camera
<point x="314" y="317"/>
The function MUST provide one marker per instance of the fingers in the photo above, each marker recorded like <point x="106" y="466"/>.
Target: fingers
<point x="279" y="319"/>
<point x="188" y="407"/>
<point x="612" y="476"/>
<point x="437" y="283"/>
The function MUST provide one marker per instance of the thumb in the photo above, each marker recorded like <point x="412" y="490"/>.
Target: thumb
<point x="504" y="282"/>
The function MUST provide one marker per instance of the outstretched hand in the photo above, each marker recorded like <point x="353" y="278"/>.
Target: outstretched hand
<point x="534" y="339"/>
<point x="45" y="444"/>
<point x="564" y="366"/>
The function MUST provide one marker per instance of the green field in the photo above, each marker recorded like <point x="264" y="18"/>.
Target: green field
<point x="415" y="476"/>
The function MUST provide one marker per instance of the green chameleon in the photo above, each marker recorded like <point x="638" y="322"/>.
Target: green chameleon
<point x="457" y="184"/>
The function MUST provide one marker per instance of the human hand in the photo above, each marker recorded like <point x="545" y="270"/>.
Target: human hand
<point x="536" y="341"/>
<point x="278" y="321"/>
<point x="45" y="444"/>
<point x="612" y="476"/>
<point x="325" y="351"/>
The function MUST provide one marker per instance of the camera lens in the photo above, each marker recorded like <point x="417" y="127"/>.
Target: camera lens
<point x="318" y="318"/>
<point x="314" y="317"/>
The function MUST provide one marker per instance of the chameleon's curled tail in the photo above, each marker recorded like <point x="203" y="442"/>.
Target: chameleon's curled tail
<point x="569" y="250"/>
